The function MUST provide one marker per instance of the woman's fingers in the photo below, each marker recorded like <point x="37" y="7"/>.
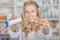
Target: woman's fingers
<point x="44" y="23"/>
<point x="40" y="21"/>
<point x="14" y="17"/>
<point x="13" y="27"/>
<point x="44" y="27"/>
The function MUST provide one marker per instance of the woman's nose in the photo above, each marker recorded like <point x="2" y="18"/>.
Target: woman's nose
<point x="30" y="15"/>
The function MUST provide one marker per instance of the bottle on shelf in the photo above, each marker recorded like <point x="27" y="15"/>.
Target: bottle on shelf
<point x="55" y="1"/>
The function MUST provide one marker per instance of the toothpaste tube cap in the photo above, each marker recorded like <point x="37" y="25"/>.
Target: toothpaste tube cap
<point x="7" y="23"/>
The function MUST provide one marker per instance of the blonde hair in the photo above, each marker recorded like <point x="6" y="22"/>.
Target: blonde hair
<point x="25" y="22"/>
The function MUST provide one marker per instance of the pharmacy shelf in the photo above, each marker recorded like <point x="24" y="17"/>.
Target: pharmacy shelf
<point x="4" y="37"/>
<point x="51" y="19"/>
<point x="56" y="36"/>
<point x="2" y="20"/>
<point x="4" y="34"/>
<point x="19" y="4"/>
<point x="48" y="5"/>
<point x="6" y="1"/>
<point x="6" y="6"/>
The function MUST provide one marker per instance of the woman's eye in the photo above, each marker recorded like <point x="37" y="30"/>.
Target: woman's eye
<point x="27" y="12"/>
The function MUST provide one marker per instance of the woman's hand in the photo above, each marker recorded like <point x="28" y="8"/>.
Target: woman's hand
<point x="46" y="30"/>
<point x="45" y="26"/>
<point x="13" y="27"/>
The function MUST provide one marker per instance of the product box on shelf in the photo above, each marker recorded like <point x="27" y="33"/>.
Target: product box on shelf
<point x="2" y="17"/>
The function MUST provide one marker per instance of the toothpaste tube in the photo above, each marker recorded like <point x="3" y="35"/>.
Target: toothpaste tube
<point x="11" y="22"/>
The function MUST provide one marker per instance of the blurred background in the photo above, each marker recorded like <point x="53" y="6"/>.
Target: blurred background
<point x="50" y="10"/>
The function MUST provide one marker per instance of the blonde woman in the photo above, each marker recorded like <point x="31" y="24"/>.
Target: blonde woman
<point x="34" y="27"/>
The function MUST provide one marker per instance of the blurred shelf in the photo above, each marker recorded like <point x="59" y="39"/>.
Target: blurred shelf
<point x="52" y="19"/>
<point x="4" y="34"/>
<point x="48" y="5"/>
<point x="2" y="20"/>
<point x="6" y="5"/>
<point x="56" y="36"/>
<point x="19" y="4"/>
<point x="6" y="1"/>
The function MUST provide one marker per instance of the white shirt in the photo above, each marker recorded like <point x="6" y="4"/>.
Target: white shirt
<point x="31" y="36"/>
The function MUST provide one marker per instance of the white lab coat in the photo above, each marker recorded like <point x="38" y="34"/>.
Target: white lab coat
<point x="31" y="36"/>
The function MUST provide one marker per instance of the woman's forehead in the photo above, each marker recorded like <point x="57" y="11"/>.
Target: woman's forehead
<point x="29" y="7"/>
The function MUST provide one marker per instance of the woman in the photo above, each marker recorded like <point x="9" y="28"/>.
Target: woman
<point x="34" y="27"/>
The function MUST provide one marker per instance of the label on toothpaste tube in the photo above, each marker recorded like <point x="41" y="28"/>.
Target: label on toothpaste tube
<point x="8" y="23"/>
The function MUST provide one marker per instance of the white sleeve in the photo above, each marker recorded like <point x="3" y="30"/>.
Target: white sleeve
<point x="47" y="36"/>
<point x="12" y="34"/>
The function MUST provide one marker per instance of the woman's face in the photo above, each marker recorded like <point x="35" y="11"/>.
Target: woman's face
<point x="30" y="11"/>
